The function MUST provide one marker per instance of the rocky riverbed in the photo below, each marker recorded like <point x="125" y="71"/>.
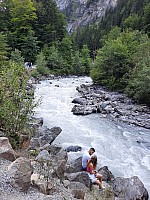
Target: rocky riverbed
<point x="45" y="173"/>
<point x="94" y="99"/>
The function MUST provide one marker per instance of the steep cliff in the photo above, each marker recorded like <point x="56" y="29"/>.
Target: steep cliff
<point x="83" y="12"/>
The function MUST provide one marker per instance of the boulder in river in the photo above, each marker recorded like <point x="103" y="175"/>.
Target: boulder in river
<point x="73" y="148"/>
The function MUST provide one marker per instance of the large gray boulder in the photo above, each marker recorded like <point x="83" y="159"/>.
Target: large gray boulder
<point x="41" y="183"/>
<point x="107" y="175"/>
<point x="43" y="156"/>
<point x="79" y="100"/>
<point x="74" y="166"/>
<point x="34" y="144"/>
<point x="130" y="188"/>
<point x="97" y="194"/>
<point x="44" y="136"/>
<point x="55" y="162"/>
<point x="6" y="150"/>
<point x="81" y="177"/>
<point x="78" y="190"/>
<point x="59" y="169"/>
<point x="52" y="149"/>
<point x="20" y="172"/>
<point x="59" y="164"/>
<point x="48" y="135"/>
<point x="82" y="110"/>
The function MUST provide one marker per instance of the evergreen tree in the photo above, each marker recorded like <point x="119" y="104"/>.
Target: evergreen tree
<point x="50" y="25"/>
<point x="5" y="16"/>
<point x="41" y="65"/>
<point x="66" y="50"/>
<point x="77" y="66"/>
<point x="17" y="58"/>
<point x="54" y="60"/>
<point x="22" y="36"/>
<point x="3" y="50"/>
<point x="146" y="19"/>
<point x="86" y="60"/>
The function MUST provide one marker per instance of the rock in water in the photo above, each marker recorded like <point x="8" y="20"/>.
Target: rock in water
<point x="73" y="149"/>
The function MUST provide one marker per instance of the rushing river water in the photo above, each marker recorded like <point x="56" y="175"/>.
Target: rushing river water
<point x="115" y="143"/>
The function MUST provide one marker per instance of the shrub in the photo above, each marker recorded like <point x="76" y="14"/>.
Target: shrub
<point x="16" y="104"/>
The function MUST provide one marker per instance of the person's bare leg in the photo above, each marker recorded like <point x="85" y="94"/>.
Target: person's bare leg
<point x="99" y="176"/>
<point x="99" y="183"/>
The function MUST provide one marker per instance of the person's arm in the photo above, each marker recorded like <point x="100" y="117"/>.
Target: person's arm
<point x="91" y="168"/>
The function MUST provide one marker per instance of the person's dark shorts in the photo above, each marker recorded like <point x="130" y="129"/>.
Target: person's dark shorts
<point x="83" y="169"/>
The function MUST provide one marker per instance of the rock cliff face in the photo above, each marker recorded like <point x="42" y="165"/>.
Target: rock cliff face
<point x="83" y="12"/>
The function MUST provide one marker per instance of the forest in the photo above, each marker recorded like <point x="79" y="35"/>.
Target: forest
<point x="120" y="48"/>
<point x="37" y="29"/>
<point x="115" y="52"/>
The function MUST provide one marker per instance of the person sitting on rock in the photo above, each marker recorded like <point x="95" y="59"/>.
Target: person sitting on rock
<point x="94" y="176"/>
<point x="86" y="157"/>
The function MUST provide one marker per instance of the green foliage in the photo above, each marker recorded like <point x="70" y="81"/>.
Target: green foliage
<point x="132" y="39"/>
<point x="16" y="104"/>
<point x="139" y="82"/>
<point x="77" y="67"/>
<point x="50" y="25"/>
<point x="90" y="36"/>
<point x="123" y="64"/>
<point x="22" y="12"/>
<point x="33" y="153"/>
<point x="112" y="35"/>
<point x="146" y="18"/>
<point x="20" y="33"/>
<point x="29" y="46"/>
<point x="113" y="60"/>
<point x="53" y="58"/>
<point x="41" y="65"/>
<point x="132" y="22"/>
<point x="3" y="49"/>
<point x="16" y="57"/>
<point x="30" y="25"/>
<point x="5" y="17"/>
<point x="139" y="85"/>
<point x="66" y="50"/>
<point x="86" y="60"/>
<point x="63" y="58"/>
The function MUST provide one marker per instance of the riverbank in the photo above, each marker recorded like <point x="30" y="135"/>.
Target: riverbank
<point x="118" y="107"/>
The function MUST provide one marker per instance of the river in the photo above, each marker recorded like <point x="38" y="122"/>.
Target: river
<point x="115" y="143"/>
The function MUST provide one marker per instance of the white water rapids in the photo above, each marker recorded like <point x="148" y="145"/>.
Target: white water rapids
<point x="115" y="143"/>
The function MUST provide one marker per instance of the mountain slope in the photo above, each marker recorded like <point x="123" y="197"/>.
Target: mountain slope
<point x="83" y="12"/>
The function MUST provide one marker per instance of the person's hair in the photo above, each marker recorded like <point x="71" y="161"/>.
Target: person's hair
<point x="92" y="149"/>
<point x="93" y="160"/>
